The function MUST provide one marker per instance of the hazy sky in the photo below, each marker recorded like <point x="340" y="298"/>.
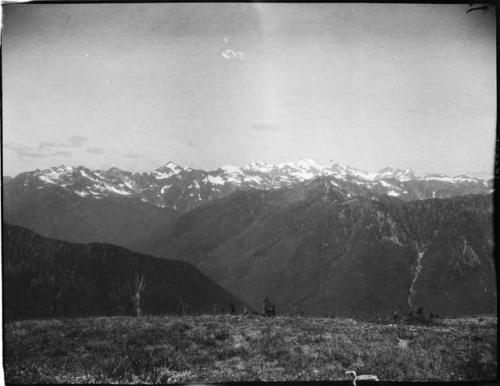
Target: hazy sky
<point x="205" y="85"/>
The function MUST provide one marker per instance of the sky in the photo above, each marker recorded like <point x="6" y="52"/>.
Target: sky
<point x="205" y="85"/>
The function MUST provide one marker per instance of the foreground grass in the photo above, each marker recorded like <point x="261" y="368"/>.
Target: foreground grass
<point x="232" y="348"/>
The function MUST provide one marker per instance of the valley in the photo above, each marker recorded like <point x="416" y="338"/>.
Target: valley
<point x="325" y="241"/>
<point x="198" y="193"/>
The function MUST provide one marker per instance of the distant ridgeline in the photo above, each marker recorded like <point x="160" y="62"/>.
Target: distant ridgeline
<point x="51" y="278"/>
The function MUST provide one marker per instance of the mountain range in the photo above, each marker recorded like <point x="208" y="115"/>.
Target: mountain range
<point x="316" y="239"/>
<point x="183" y="188"/>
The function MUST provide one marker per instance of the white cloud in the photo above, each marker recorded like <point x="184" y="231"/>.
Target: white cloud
<point x="95" y="150"/>
<point x="24" y="151"/>
<point x="73" y="141"/>
<point x="134" y="155"/>
<point x="230" y="54"/>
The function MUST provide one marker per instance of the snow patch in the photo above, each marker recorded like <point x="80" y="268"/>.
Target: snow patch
<point x="302" y="175"/>
<point x="420" y="255"/>
<point x="46" y="179"/>
<point x="215" y="180"/>
<point x="363" y="175"/>
<point x="162" y="190"/>
<point x="128" y="185"/>
<point x="117" y="191"/>
<point x="83" y="173"/>
<point x="231" y="169"/>
<point x="257" y="180"/>
<point x="441" y="177"/>
<point x="261" y="167"/>
<point x="82" y="194"/>
<point x="162" y="176"/>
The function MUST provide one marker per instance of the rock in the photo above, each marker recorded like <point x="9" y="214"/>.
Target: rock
<point x="403" y="343"/>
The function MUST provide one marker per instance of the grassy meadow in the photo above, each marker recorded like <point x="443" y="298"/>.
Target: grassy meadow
<point x="208" y="348"/>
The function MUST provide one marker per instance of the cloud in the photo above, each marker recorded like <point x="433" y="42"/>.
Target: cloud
<point x="95" y="150"/>
<point x="34" y="154"/>
<point x="24" y="151"/>
<point x="45" y="144"/>
<point x="77" y="140"/>
<point x="264" y="127"/>
<point x="191" y="144"/>
<point x="16" y="147"/>
<point x="232" y="55"/>
<point x="73" y="141"/>
<point x="134" y="155"/>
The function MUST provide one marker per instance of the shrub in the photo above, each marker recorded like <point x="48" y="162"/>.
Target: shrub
<point x="221" y="333"/>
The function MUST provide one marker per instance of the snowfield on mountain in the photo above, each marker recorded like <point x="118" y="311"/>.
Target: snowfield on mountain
<point x="183" y="188"/>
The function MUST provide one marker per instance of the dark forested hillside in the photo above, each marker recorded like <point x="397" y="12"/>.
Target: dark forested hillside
<point x="456" y="242"/>
<point x="51" y="278"/>
<point x="6" y="180"/>
<point x="321" y="252"/>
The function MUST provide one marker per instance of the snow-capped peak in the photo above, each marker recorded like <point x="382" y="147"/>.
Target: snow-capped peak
<point x="172" y="166"/>
<point x="304" y="164"/>
<point x="61" y="169"/>
<point x="404" y="175"/>
<point x="168" y="170"/>
<point x="54" y="174"/>
<point x="303" y="169"/>
<point x="398" y="174"/>
<point x="182" y="188"/>
<point x="256" y="166"/>
<point x="231" y="169"/>
<point x="445" y="178"/>
<point x="338" y="169"/>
